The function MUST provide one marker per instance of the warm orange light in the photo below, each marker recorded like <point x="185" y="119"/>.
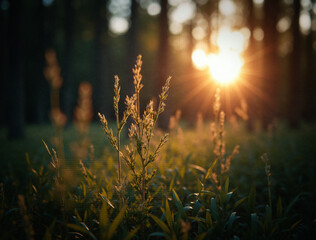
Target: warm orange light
<point x="199" y="59"/>
<point x="225" y="66"/>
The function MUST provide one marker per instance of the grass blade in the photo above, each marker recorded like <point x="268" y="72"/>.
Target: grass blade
<point x="253" y="225"/>
<point x="213" y="208"/>
<point x="168" y="215"/>
<point x="178" y="204"/>
<point x="131" y="234"/>
<point x="252" y="198"/>
<point x="161" y="224"/>
<point x="47" y="149"/>
<point x="116" y="222"/>
<point x="231" y="221"/>
<point x="81" y="229"/>
<point x="209" y="171"/>
<point x="107" y="200"/>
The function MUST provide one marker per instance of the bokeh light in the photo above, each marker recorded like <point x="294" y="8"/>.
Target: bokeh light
<point x="200" y="59"/>
<point x="153" y="8"/>
<point x="227" y="7"/>
<point x="118" y="25"/>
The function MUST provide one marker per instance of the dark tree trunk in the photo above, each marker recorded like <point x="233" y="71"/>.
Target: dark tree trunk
<point x="294" y="88"/>
<point x="250" y="66"/>
<point x="270" y="83"/>
<point x="309" y="107"/>
<point x="69" y="83"/>
<point x="16" y="72"/>
<point x="190" y="104"/>
<point x="45" y="35"/>
<point x="133" y="48"/>
<point x="163" y="61"/>
<point x="102" y="82"/>
<point x="132" y="53"/>
<point x="3" y="65"/>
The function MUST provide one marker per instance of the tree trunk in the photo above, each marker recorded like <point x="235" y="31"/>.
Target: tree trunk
<point x="163" y="61"/>
<point x="309" y="109"/>
<point x="102" y="81"/>
<point x="45" y="35"/>
<point x="270" y="82"/>
<point x="16" y="72"/>
<point x="69" y="83"/>
<point x="295" y="68"/>
<point x="3" y="65"/>
<point x="250" y="66"/>
<point x="133" y="48"/>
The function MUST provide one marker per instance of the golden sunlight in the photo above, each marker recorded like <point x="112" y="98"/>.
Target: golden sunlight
<point x="225" y="66"/>
<point x="200" y="59"/>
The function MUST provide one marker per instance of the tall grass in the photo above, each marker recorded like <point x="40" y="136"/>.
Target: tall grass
<point x="205" y="183"/>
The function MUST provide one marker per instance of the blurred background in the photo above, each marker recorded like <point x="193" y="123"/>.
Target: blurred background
<point x="261" y="53"/>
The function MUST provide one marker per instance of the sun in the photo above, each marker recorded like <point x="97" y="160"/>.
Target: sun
<point x="225" y="66"/>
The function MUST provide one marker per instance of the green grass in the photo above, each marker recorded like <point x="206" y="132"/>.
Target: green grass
<point x="79" y="203"/>
<point x="197" y="186"/>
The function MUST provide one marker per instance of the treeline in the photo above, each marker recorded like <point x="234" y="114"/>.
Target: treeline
<point x="279" y="72"/>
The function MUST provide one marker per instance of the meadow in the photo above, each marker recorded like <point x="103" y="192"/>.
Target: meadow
<point x="214" y="180"/>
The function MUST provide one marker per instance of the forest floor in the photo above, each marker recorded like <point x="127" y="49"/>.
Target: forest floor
<point x="182" y="164"/>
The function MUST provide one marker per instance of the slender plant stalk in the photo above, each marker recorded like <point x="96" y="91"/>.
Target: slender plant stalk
<point x="267" y="164"/>
<point x="118" y="138"/>
<point x="116" y="100"/>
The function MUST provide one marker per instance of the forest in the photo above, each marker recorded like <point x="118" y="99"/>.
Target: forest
<point x="158" y="119"/>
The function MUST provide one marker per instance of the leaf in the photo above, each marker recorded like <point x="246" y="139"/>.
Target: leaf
<point x="209" y="171"/>
<point x="252" y="198"/>
<point x="116" y="222"/>
<point x="197" y="207"/>
<point x="253" y="225"/>
<point x="197" y="219"/>
<point x="84" y="226"/>
<point x="240" y="201"/>
<point x="168" y="215"/>
<point x="228" y="196"/>
<point x="160" y="223"/>
<point x="131" y="234"/>
<point x="201" y="236"/>
<point x="171" y="183"/>
<point x="197" y="167"/>
<point x="231" y="221"/>
<point x="295" y="224"/>
<point x="209" y="220"/>
<point x="158" y="234"/>
<point x="268" y="219"/>
<point x="226" y="185"/>
<point x="49" y="231"/>
<point x="288" y="208"/>
<point x="81" y="229"/>
<point x="213" y="208"/>
<point x="107" y="200"/>
<point x="178" y="204"/>
<point x="104" y="219"/>
<point x="27" y="157"/>
<point x="78" y="215"/>
<point x="83" y="189"/>
<point x="187" y="159"/>
<point x="212" y="194"/>
<point x="47" y="149"/>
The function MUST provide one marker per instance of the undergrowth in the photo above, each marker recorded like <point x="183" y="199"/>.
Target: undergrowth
<point x="210" y="182"/>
